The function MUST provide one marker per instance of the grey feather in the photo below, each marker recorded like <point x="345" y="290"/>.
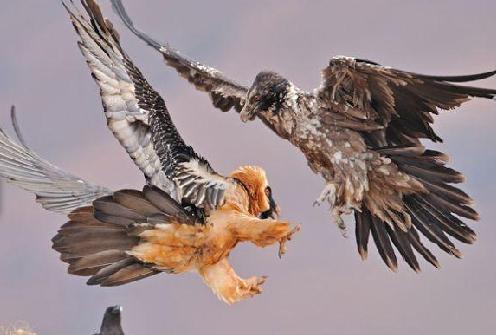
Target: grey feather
<point x="55" y="189"/>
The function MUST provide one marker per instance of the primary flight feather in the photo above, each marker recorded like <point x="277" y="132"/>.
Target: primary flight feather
<point x="361" y="131"/>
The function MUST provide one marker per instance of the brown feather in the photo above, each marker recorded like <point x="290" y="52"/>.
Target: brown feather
<point x="383" y="243"/>
<point x="362" y="231"/>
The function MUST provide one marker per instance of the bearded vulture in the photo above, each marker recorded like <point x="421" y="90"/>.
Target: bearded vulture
<point x="124" y="236"/>
<point x="361" y="131"/>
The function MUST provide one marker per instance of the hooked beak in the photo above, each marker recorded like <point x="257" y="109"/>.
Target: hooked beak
<point x="247" y="113"/>
<point x="273" y="212"/>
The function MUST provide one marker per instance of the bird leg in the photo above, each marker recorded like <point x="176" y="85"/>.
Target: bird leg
<point x="227" y="285"/>
<point x="329" y="195"/>
<point x="264" y="232"/>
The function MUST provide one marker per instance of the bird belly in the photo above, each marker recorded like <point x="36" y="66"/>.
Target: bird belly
<point x="179" y="248"/>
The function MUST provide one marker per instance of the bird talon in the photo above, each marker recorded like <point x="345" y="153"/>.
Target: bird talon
<point x="285" y="239"/>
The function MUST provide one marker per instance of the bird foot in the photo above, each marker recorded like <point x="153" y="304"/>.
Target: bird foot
<point x="329" y="195"/>
<point x="285" y="239"/>
<point x="245" y="289"/>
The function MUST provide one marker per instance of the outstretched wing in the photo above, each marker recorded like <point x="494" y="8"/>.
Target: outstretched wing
<point x="138" y="116"/>
<point x="225" y="93"/>
<point x="55" y="189"/>
<point x="402" y="105"/>
<point x="400" y="102"/>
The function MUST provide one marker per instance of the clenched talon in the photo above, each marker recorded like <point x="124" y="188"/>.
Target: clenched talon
<point x="254" y="285"/>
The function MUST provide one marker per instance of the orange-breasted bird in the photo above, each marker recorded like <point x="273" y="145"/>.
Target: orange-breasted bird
<point x="187" y="217"/>
<point x="361" y="131"/>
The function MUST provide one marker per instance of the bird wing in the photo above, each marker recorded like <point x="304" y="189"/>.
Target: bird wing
<point x="400" y="102"/>
<point x="139" y="118"/>
<point x="55" y="189"/>
<point x="225" y="93"/>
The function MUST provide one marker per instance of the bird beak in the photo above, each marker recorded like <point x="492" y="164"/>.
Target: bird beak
<point x="272" y="213"/>
<point x="247" y="113"/>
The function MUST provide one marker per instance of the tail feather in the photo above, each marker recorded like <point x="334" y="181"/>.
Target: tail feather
<point x="362" y="232"/>
<point x="429" y="228"/>
<point x="129" y="273"/>
<point x="402" y="243"/>
<point x="434" y="212"/>
<point x="383" y="243"/>
<point x="90" y="264"/>
<point x="97" y="239"/>
<point x="136" y="201"/>
<point x="103" y="274"/>
<point x="414" y="239"/>
<point x="449" y="223"/>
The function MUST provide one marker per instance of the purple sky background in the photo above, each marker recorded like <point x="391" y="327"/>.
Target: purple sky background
<point x="321" y="286"/>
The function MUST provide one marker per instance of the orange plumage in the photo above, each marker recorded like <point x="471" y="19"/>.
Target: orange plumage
<point x="132" y="235"/>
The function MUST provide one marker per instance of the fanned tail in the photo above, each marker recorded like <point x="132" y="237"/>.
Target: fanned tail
<point x="434" y="213"/>
<point x="97" y="239"/>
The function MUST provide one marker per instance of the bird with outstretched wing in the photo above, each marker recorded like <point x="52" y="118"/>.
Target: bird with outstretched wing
<point x="361" y="131"/>
<point x="187" y="217"/>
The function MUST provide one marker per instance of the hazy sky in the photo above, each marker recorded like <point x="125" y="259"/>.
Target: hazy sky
<point x="321" y="286"/>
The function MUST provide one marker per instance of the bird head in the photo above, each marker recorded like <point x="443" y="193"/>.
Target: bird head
<point x="267" y="94"/>
<point x="254" y="179"/>
<point x="111" y="324"/>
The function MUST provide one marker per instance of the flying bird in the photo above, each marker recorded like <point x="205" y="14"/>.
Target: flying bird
<point x="361" y="130"/>
<point x="124" y="236"/>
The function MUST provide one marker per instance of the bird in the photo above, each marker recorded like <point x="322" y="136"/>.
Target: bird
<point x="117" y="237"/>
<point x="361" y="131"/>
<point x="111" y="323"/>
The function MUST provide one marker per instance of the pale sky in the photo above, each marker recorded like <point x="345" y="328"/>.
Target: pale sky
<point x="321" y="286"/>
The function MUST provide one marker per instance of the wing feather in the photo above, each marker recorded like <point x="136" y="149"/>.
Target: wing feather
<point x="225" y="93"/>
<point x="55" y="189"/>
<point x="402" y="102"/>
<point x="138" y="116"/>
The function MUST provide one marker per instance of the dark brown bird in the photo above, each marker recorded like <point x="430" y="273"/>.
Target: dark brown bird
<point x="361" y="131"/>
